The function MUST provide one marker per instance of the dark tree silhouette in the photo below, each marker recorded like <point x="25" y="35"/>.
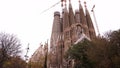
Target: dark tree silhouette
<point x="9" y="47"/>
<point x="78" y="53"/>
<point x="12" y="63"/>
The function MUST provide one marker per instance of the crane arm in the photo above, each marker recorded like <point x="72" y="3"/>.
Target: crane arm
<point x="51" y="7"/>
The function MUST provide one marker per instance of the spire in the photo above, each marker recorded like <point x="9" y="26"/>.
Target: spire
<point x="83" y="20"/>
<point x="86" y="10"/>
<point x="77" y="16"/>
<point x="71" y="14"/>
<point x="62" y="2"/>
<point x="89" y="23"/>
<point x="65" y="17"/>
<point x="80" y="6"/>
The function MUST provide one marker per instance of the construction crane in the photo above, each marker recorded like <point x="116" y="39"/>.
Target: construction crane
<point x="26" y="57"/>
<point x="50" y="7"/>
<point x="95" y="20"/>
<point x="54" y="5"/>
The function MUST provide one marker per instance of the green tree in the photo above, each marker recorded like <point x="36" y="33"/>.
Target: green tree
<point x="114" y="47"/>
<point x="100" y="52"/>
<point x="114" y="38"/>
<point x="104" y="52"/>
<point x="78" y="53"/>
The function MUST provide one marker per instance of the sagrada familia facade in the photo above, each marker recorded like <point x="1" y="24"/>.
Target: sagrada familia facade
<point x="67" y="29"/>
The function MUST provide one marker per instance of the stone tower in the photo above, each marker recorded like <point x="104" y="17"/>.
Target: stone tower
<point x="56" y="32"/>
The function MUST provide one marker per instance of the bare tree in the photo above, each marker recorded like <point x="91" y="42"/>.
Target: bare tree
<point x="9" y="47"/>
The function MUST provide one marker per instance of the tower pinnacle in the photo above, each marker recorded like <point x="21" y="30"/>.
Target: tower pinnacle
<point x="85" y="4"/>
<point x="65" y="3"/>
<point x="69" y="1"/>
<point x="79" y="1"/>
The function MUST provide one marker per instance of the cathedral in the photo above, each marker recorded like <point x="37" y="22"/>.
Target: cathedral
<point x="68" y="27"/>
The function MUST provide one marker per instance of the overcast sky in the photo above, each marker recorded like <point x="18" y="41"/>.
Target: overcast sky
<point x="25" y="19"/>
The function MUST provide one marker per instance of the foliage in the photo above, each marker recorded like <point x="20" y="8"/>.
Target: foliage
<point x="115" y="42"/>
<point x="9" y="47"/>
<point x="101" y="52"/>
<point x="15" y="62"/>
<point x="37" y="64"/>
<point x="98" y="53"/>
<point x="115" y="47"/>
<point x="78" y="53"/>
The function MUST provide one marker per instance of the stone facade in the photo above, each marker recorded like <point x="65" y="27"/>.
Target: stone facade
<point x="39" y="57"/>
<point x="39" y="53"/>
<point x="67" y="28"/>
